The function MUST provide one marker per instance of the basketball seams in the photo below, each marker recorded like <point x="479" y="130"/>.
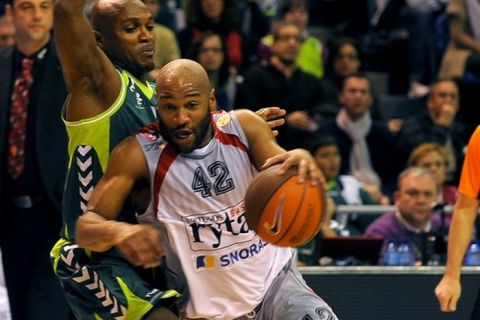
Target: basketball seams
<point x="300" y="203"/>
<point x="270" y="173"/>
<point x="283" y="211"/>
<point x="323" y="208"/>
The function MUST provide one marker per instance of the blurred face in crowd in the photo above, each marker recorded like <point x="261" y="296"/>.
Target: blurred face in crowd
<point x="328" y="160"/>
<point x="126" y="35"/>
<point x="356" y="97"/>
<point x="212" y="9"/>
<point x="33" y="20"/>
<point x="286" y="44"/>
<point x="415" y="197"/>
<point x="185" y="99"/>
<point x="346" y="62"/>
<point x="298" y="16"/>
<point x="153" y="6"/>
<point x="443" y="97"/>
<point x="7" y="32"/>
<point x="211" y="54"/>
<point x="436" y="164"/>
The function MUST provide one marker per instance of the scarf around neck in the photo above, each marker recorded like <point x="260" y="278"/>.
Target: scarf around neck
<point x="360" y="162"/>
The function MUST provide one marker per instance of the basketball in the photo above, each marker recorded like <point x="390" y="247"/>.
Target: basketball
<point x="282" y="210"/>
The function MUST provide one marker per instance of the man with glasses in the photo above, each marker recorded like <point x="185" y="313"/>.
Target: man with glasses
<point x="282" y="83"/>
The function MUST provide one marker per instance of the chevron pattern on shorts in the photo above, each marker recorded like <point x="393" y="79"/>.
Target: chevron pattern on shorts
<point x="85" y="174"/>
<point x="90" y="279"/>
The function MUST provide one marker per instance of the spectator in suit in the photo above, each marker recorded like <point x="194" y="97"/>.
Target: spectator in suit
<point x="366" y="146"/>
<point x="436" y="124"/>
<point x="280" y="82"/>
<point x="33" y="162"/>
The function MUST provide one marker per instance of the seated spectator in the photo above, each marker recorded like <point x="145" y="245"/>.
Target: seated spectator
<point x="462" y="56"/>
<point x="219" y="16"/>
<point x="310" y="55"/>
<point x="343" y="189"/>
<point x="437" y="124"/>
<point x="366" y="146"/>
<point x="209" y="50"/>
<point x="436" y="158"/>
<point x="414" y="199"/>
<point x="281" y="83"/>
<point x="166" y="47"/>
<point x="344" y="58"/>
<point x="7" y="32"/>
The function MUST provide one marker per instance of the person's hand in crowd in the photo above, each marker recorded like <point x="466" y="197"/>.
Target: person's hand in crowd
<point x="301" y="120"/>
<point x="394" y="125"/>
<point x="445" y="115"/>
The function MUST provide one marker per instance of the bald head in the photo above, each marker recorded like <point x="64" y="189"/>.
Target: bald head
<point x="104" y="13"/>
<point x="181" y="73"/>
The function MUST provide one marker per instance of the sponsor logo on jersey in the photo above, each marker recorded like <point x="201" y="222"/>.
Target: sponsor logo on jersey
<point x="223" y="120"/>
<point x="213" y="231"/>
<point x="205" y="262"/>
<point x="139" y="99"/>
<point x="232" y="257"/>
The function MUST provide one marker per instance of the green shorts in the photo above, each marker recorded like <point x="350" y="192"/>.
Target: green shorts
<point x="106" y="286"/>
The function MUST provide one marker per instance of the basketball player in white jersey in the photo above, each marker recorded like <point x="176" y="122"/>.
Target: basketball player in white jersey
<point x="198" y="165"/>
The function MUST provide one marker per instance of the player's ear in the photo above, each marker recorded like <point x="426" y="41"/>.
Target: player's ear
<point x="212" y="101"/>
<point x="98" y="38"/>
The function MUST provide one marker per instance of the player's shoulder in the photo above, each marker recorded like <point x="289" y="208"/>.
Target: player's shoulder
<point x="247" y="115"/>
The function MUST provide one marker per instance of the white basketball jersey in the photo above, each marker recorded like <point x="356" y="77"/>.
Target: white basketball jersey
<point x="198" y="201"/>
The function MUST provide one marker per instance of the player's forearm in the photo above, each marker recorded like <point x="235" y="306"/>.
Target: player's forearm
<point x="95" y="233"/>
<point x="460" y="235"/>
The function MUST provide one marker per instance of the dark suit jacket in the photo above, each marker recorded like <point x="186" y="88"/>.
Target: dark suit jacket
<point x="50" y="133"/>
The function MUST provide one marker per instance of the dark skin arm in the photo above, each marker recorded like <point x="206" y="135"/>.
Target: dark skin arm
<point x="97" y="229"/>
<point x="91" y="78"/>
<point x="266" y="152"/>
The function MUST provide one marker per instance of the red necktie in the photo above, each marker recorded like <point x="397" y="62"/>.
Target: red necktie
<point x="18" y="120"/>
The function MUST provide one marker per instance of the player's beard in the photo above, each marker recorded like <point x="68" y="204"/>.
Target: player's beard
<point x="201" y="133"/>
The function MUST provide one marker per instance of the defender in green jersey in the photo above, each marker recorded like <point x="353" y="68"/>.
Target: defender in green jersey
<point x="105" y="69"/>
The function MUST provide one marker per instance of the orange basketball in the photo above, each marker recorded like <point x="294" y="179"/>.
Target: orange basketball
<point x="283" y="211"/>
